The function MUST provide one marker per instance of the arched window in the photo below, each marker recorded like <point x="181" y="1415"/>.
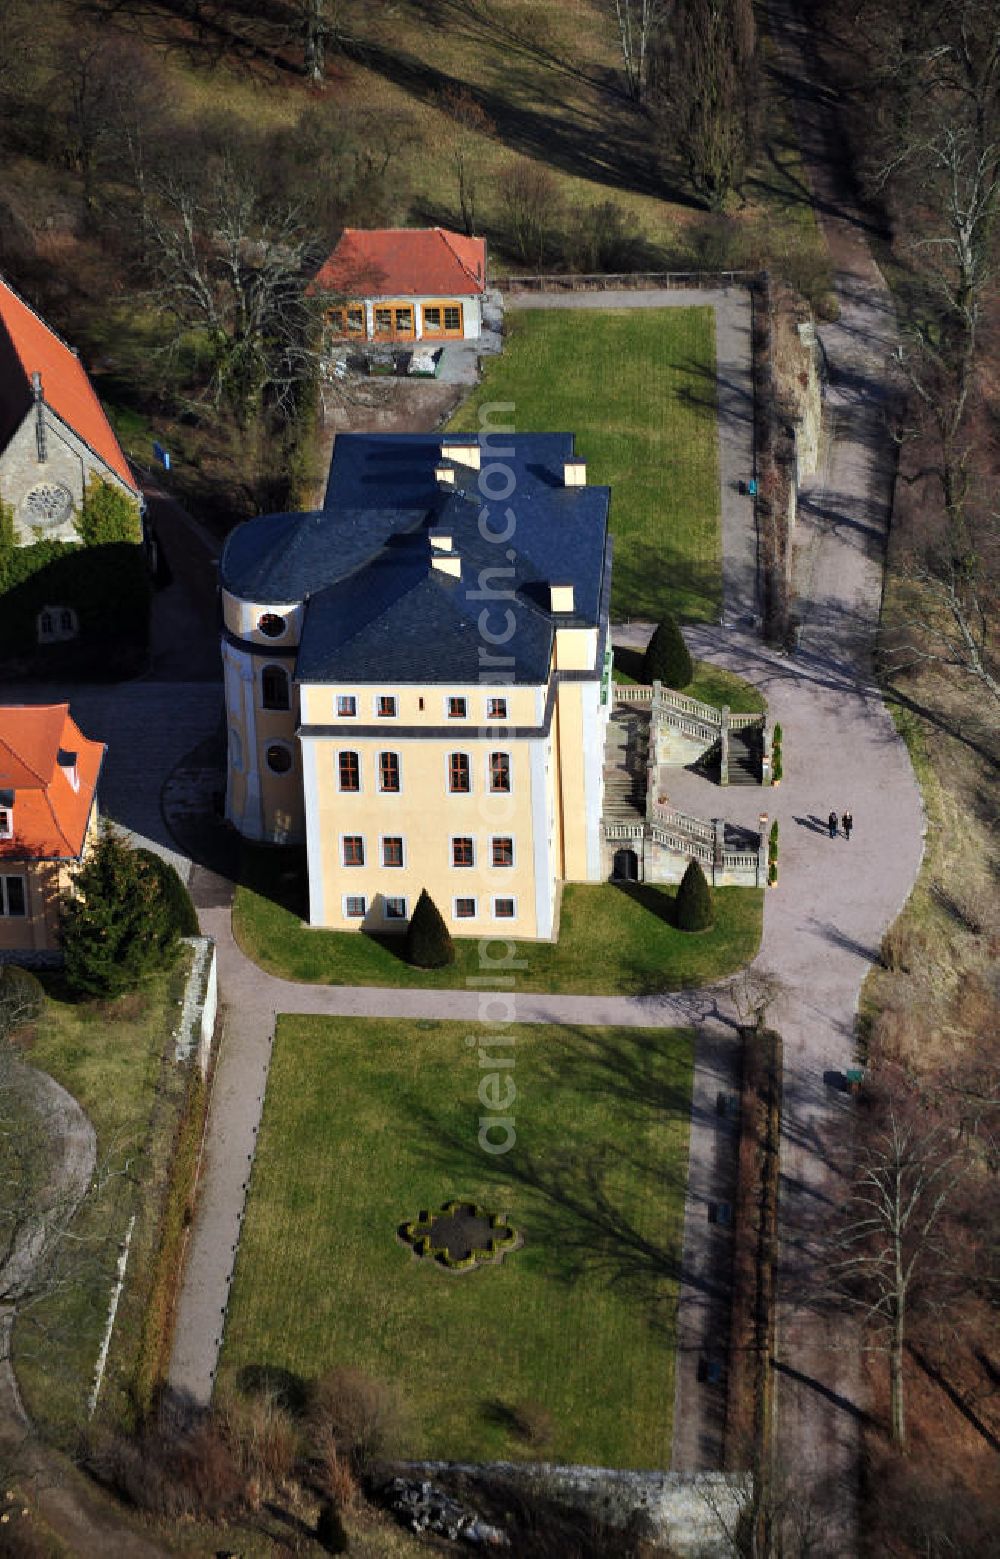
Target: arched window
<point x="274" y="687"/>
<point x="349" y="767"/>
<point x="67" y="621"/>
<point x="46" y="625"/>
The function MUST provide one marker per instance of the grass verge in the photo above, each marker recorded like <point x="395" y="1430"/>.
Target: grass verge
<point x="366" y="1123"/>
<point x="637" y="387"/>
<point x="613" y="940"/>
<point x="116" y="1058"/>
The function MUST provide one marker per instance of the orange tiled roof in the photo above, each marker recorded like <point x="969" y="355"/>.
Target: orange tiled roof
<point x="405" y="262"/>
<point x="50" y="817"/>
<point x="29" y="346"/>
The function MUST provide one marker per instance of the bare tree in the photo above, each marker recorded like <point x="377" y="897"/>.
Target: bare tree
<point x="472" y="125"/>
<point x="529" y="199"/>
<point x="890" y="1242"/>
<point x="705" y="90"/>
<point x="232" y="270"/>
<point x="638" y="22"/>
<point x="320" y="23"/>
<point x="84" y="85"/>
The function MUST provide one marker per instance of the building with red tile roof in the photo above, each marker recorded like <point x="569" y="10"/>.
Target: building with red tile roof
<point x="54" y="433"/>
<point x="48" y="812"/>
<point x="405" y="284"/>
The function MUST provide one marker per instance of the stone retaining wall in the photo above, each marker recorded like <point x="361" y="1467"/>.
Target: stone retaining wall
<point x="199" y="1005"/>
<point x="694" y="1514"/>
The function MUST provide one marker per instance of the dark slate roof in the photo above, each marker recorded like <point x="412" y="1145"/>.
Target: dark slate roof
<point x="377" y="609"/>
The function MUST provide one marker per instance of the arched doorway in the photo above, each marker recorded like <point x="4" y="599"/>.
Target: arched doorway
<point x="626" y="866"/>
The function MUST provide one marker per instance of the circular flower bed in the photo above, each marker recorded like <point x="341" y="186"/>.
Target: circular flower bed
<point x="461" y="1236"/>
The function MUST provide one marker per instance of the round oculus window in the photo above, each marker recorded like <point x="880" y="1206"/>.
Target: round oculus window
<point x="47" y="503"/>
<point x="279" y="759"/>
<point x="271" y="625"/>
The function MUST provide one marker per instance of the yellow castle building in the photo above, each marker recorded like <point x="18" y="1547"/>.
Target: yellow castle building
<point x="417" y="680"/>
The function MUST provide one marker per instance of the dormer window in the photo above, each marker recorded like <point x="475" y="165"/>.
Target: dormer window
<point x="271" y="625"/>
<point x="67" y="762"/>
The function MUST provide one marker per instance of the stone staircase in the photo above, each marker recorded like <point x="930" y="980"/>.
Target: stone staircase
<point x="625" y="756"/>
<point x="745" y="753"/>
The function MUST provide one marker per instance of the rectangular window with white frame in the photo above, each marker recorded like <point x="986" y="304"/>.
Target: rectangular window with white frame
<point x="394" y="909"/>
<point x="457" y="708"/>
<point x="386" y="706"/>
<point x="349" y="771"/>
<point x="347" y="705"/>
<point x="500" y="772"/>
<point x="353" y="848"/>
<point x="393" y="852"/>
<point x="463" y="850"/>
<point x="6" y="823"/>
<point x="464" y="909"/>
<point x="459" y="774"/>
<point x="13" y="899"/>
<point x="388" y="772"/>
<point x="496" y="709"/>
<point x="355" y="906"/>
<point x="501" y="850"/>
<point x="504" y="908"/>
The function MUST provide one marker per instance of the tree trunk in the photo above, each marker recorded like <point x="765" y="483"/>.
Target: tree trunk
<point x="314" y="40"/>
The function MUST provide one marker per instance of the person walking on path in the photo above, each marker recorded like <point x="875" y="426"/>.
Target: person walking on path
<point x="847" y="823"/>
<point x="831" y="824"/>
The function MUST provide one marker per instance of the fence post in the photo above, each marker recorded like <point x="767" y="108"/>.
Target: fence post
<point x="762" y="853"/>
<point x="718" y="848"/>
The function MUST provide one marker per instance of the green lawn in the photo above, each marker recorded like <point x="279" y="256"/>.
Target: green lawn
<point x="612" y="941"/>
<point x="366" y="1123"/>
<point x="116" y="1058"/>
<point x="637" y="387"/>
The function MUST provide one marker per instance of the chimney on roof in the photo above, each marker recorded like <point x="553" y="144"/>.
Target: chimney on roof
<point x="441" y="541"/>
<point x="447" y="563"/>
<point x="561" y="598"/>
<point x="575" y="473"/>
<point x="40" y="438"/>
<point x="467" y="453"/>
<point x="444" y="475"/>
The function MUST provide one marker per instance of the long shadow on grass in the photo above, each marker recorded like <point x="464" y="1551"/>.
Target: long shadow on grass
<point x="578" y="1200"/>
<point x="656" y="577"/>
<point x="615" y="153"/>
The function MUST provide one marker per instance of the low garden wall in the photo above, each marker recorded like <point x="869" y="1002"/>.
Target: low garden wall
<point x="199" y="1005"/>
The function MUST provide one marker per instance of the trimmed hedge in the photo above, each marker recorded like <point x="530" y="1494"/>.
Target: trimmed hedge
<point x="693" y="908"/>
<point x="495" y="1246"/>
<point x="428" y="940"/>
<point x="667" y="659"/>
